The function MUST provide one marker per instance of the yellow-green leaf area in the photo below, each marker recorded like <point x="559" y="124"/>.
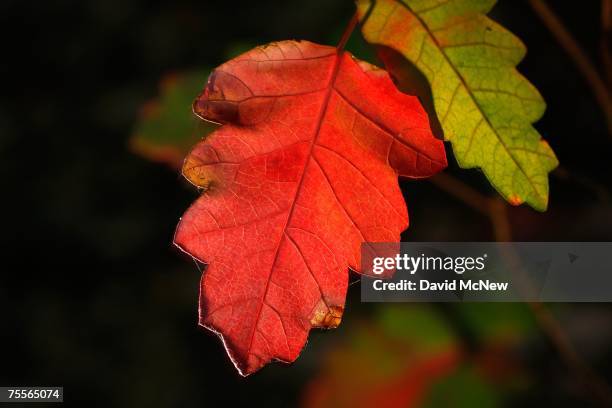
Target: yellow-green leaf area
<point x="485" y="106"/>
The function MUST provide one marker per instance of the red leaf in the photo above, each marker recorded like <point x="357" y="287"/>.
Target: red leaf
<point x="357" y="387"/>
<point x="303" y="171"/>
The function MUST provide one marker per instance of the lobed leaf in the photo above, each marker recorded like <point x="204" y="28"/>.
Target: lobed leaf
<point x="302" y="172"/>
<point x="485" y="106"/>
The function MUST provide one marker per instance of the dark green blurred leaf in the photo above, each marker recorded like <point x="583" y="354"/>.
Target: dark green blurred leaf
<point x="497" y="321"/>
<point x="464" y="388"/>
<point x="167" y="128"/>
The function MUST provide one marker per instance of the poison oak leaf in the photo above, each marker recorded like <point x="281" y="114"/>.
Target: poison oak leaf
<point x="302" y="172"/>
<point x="485" y="106"/>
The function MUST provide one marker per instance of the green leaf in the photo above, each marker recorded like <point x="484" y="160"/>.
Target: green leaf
<point x="485" y="106"/>
<point x="419" y="325"/>
<point x="465" y="388"/>
<point x="497" y="321"/>
<point x="167" y="129"/>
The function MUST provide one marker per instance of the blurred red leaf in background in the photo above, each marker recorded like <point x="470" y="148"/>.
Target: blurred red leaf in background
<point x="391" y="362"/>
<point x="409" y="356"/>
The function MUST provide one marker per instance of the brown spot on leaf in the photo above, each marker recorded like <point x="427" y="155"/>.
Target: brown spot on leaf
<point x="196" y="173"/>
<point x="326" y="317"/>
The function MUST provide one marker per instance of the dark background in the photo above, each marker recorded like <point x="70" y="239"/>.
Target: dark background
<point x="93" y="296"/>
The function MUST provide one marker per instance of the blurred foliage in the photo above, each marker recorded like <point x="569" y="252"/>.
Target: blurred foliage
<point x="167" y="129"/>
<point x="389" y="362"/>
<point x="411" y="355"/>
<point x="464" y="388"/>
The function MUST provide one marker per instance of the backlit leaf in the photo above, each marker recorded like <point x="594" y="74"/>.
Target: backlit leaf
<point x="303" y="171"/>
<point x="485" y="106"/>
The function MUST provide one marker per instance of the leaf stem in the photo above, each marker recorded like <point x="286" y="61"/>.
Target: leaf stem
<point x="347" y="33"/>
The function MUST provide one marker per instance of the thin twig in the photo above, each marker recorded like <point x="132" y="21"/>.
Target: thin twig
<point x="496" y="210"/>
<point x="595" y="187"/>
<point x="606" y="34"/>
<point x="582" y="61"/>
<point x="492" y="208"/>
<point x="348" y="31"/>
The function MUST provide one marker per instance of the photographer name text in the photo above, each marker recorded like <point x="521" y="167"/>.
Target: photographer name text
<point x="447" y="285"/>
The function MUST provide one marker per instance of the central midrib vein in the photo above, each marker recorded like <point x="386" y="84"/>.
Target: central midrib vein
<point x="322" y="113"/>
<point x="471" y="95"/>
